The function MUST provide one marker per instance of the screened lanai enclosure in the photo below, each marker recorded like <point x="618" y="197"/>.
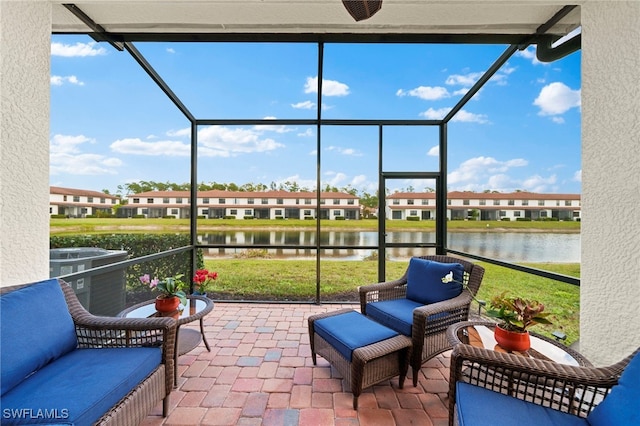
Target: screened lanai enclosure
<point x="413" y="125"/>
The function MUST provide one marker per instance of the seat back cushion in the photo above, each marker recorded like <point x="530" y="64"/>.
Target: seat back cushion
<point x="350" y="331"/>
<point x="620" y="407"/>
<point x="424" y="281"/>
<point x="35" y="329"/>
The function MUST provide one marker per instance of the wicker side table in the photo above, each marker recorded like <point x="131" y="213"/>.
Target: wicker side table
<point x="369" y="364"/>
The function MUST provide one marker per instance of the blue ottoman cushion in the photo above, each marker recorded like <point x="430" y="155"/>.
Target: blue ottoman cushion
<point x="35" y="329"/>
<point x="477" y="406"/>
<point x="79" y="387"/>
<point x="351" y="330"/>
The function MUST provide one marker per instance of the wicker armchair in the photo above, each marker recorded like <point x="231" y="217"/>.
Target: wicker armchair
<point x="480" y="377"/>
<point x="103" y="333"/>
<point x="430" y="322"/>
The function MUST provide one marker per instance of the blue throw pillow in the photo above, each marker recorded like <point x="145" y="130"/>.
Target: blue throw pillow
<point x="424" y="281"/>
<point x="620" y="407"/>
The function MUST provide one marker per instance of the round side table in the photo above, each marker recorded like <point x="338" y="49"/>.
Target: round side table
<point x="186" y="339"/>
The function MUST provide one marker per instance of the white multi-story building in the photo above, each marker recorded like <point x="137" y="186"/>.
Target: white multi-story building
<point x="244" y="205"/>
<point x="80" y="202"/>
<point x="485" y="206"/>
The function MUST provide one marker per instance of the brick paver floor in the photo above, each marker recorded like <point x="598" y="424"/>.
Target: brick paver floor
<point x="259" y="372"/>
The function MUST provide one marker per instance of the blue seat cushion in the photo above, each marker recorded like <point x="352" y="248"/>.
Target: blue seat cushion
<point x="35" y="329"/>
<point x="79" y="387"/>
<point x="349" y="331"/>
<point x="620" y="407"/>
<point x="424" y="281"/>
<point x="395" y="314"/>
<point x="477" y="406"/>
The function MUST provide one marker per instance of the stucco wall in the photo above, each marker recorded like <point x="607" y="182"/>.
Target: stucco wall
<point x="610" y="292"/>
<point x="25" y="32"/>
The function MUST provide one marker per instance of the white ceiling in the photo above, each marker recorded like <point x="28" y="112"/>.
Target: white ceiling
<point x="173" y="18"/>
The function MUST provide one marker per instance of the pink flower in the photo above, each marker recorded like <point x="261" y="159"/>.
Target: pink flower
<point x="144" y="279"/>
<point x="154" y="283"/>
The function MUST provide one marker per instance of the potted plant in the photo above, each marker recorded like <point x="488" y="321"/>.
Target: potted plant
<point x="171" y="293"/>
<point x="516" y="315"/>
<point x="203" y="281"/>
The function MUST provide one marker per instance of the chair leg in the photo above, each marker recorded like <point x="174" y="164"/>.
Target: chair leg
<point x="165" y="406"/>
<point x="416" y="371"/>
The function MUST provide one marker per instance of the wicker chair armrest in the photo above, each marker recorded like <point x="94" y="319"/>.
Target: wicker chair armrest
<point x="92" y="322"/>
<point x="389" y="290"/>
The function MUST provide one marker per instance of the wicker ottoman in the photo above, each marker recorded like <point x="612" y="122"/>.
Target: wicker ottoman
<point x="363" y="351"/>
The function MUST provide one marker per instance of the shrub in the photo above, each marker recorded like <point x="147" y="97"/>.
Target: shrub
<point x="139" y="216"/>
<point x="58" y="216"/>
<point x="340" y="218"/>
<point x="505" y="219"/>
<point x="523" y="219"/>
<point x="248" y="217"/>
<point x="413" y="218"/>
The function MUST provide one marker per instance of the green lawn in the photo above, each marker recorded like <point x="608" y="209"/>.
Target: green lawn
<point x="71" y="226"/>
<point x="290" y="280"/>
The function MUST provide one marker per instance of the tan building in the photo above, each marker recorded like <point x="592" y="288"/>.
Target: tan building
<point x="485" y="206"/>
<point x="216" y="204"/>
<point x="72" y="202"/>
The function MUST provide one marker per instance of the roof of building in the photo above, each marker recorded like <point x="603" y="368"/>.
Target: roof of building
<point x="80" y="192"/>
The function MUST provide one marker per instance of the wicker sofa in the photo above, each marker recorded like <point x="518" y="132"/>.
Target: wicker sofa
<point x="61" y="364"/>
<point x="424" y="317"/>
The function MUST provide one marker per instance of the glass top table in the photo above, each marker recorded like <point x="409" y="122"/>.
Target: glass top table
<point x="186" y="339"/>
<point x="480" y="334"/>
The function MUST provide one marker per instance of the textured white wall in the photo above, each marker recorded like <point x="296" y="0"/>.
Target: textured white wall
<point x="610" y="271"/>
<point x="25" y="32"/>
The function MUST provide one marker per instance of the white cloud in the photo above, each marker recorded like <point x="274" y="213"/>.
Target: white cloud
<point x="538" y="183"/>
<point x="478" y="170"/>
<point x="530" y="54"/>
<point x="271" y="128"/>
<point x="58" y="80"/>
<point x="171" y="50"/>
<point x="68" y="144"/>
<point x="482" y="173"/>
<point x="66" y="157"/>
<point x="186" y="132"/>
<point x="78" y="49"/>
<point x="345" y="151"/>
<point x="225" y="142"/>
<point x="337" y="179"/>
<point x="434" y="151"/>
<point x="557" y="98"/>
<point x="136" y="146"/>
<point x="307" y="133"/>
<point x="329" y="87"/>
<point x="577" y="176"/>
<point x="425" y="92"/>
<point x="304" y="105"/>
<point x="461" y="116"/>
<point x="463" y="80"/>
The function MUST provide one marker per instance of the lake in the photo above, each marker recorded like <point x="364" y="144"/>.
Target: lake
<point x="507" y="246"/>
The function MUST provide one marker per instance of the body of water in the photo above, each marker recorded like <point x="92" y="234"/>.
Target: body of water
<point x="507" y="246"/>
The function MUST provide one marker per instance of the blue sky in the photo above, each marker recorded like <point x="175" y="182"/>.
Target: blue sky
<point x="110" y="124"/>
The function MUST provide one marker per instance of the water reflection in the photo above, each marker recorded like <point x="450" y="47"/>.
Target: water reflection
<point x="508" y="246"/>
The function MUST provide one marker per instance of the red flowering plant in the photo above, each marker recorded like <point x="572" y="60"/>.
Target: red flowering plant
<point x="203" y="280"/>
